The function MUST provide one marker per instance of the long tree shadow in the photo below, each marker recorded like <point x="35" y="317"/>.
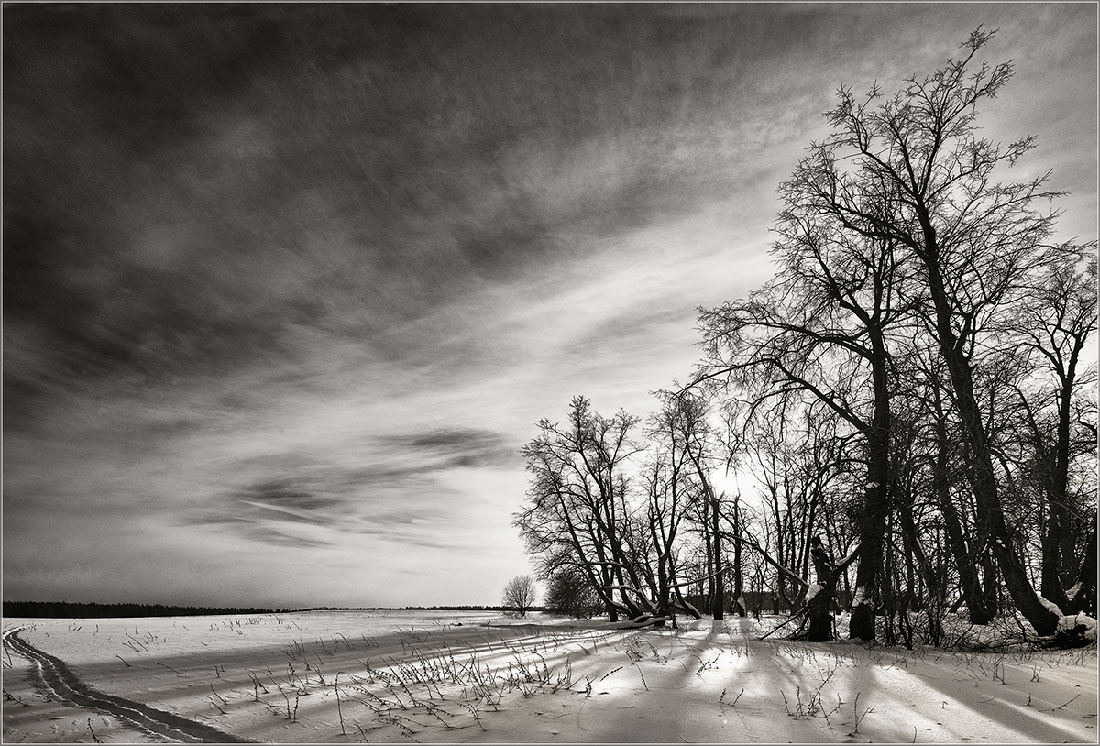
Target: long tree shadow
<point x="1030" y="722"/>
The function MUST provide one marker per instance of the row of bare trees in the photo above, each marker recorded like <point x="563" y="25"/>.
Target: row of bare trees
<point x="613" y="513"/>
<point x="909" y="403"/>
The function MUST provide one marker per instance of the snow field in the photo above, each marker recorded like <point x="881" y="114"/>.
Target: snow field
<point x="29" y="716"/>
<point x="447" y="677"/>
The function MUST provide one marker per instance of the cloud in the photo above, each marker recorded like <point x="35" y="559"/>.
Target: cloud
<point x="237" y="219"/>
<point x="459" y="447"/>
<point x="284" y="499"/>
<point x="268" y="536"/>
<point x="400" y="491"/>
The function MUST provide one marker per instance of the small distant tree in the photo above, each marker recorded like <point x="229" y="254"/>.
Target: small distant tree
<point x="519" y="594"/>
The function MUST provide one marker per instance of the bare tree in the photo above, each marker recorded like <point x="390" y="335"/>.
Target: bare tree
<point x="1053" y="325"/>
<point x="578" y="512"/>
<point x="820" y="329"/>
<point x="569" y="593"/>
<point x="519" y="594"/>
<point x="670" y="493"/>
<point x="911" y="170"/>
<point x="940" y="452"/>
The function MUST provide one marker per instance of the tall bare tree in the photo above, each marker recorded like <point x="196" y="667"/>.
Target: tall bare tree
<point x="821" y="329"/>
<point x="911" y="170"/>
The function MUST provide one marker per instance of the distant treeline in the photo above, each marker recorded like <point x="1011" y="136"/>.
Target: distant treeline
<point x="462" y="608"/>
<point x="64" y="609"/>
<point x="416" y="608"/>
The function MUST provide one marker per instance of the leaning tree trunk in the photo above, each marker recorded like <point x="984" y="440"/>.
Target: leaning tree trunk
<point x="917" y="559"/>
<point x="969" y="583"/>
<point x="984" y="484"/>
<point x="981" y="474"/>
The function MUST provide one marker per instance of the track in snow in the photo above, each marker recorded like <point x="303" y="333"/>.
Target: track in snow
<point x="68" y="687"/>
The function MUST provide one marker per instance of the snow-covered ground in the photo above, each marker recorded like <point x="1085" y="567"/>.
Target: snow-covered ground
<point x="348" y="676"/>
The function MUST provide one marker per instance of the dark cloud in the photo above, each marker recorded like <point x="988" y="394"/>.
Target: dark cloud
<point x="91" y="96"/>
<point x="464" y="447"/>
<point x="451" y="438"/>
<point x="321" y="499"/>
<point x="287" y="496"/>
<point x="389" y="498"/>
<point x="185" y="186"/>
<point x="267" y="513"/>
<point x="273" y="536"/>
<point x="256" y="527"/>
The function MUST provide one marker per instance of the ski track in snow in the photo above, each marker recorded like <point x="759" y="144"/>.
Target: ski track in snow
<point x="706" y="681"/>
<point x="63" y="683"/>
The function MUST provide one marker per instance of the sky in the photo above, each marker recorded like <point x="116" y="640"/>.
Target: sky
<point x="288" y="287"/>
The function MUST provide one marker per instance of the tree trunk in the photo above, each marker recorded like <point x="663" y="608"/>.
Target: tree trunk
<point x="981" y="474"/>
<point x="820" y="607"/>
<point x="1050" y="583"/>
<point x="1084" y="599"/>
<point x="738" y="576"/>
<point x="969" y="582"/>
<point x="1054" y="538"/>
<point x="719" y="599"/>
<point x="876" y="499"/>
<point x="991" y="583"/>
<point x="868" y="575"/>
<point x="918" y="557"/>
